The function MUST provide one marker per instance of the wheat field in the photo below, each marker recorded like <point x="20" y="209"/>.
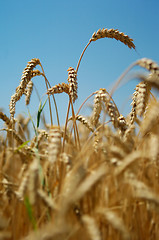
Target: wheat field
<point x="96" y="177"/>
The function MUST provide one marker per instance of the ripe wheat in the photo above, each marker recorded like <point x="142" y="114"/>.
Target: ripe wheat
<point x="113" y="33"/>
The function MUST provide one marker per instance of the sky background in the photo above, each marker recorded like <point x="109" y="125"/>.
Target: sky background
<point x="56" y="32"/>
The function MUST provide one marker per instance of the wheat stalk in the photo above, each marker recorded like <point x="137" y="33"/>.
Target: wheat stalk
<point x="108" y="33"/>
<point x="47" y="199"/>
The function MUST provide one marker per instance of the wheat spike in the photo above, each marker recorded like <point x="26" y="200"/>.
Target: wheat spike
<point x="29" y="89"/>
<point x="59" y="88"/>
<point x="72" y="80"/>
<point x="23" y="186"/>
<point x="149" y="64"/>
<point x="33" y="180"/>
<point x="97" y="106"/>
<point x="122" y="124"/>
<point x="5" y="118"/>
<point x="141" y="97"/>
<point x="28" y="92"/>
<point x="151" y="79"/>
<point x="150" y="120"/>
<point x="26" y="76"/>
<point x="84" y="121"/>
<point x="54" y="139"/>
<point x="15" y="135"/>
<point x="113" y="33"/>
<point x="133" y="110"/>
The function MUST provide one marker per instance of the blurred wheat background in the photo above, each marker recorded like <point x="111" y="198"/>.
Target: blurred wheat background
<point x="76" y="159"/>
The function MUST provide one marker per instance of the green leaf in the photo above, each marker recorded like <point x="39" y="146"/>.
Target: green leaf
<point x="23" y="145"/>
<point x="41" y="107"/>
<point x="30" y="212"/>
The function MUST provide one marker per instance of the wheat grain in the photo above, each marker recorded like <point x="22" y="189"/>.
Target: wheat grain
<point x="122" y="124"/>
<point x="113" y="33"/>
<point x="59" y="88"/>
<point x="72" y="80"/>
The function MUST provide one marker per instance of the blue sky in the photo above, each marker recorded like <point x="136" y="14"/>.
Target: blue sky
<point x="56" y="32"/>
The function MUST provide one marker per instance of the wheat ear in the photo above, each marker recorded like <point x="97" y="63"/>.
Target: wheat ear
<point x="113" y="33"/>
<point x="84" y="121"/>
<point x="149" y="64"/>
<point x="59" y="88"/>
<point x="29" y="89"/>
<point x="108" y="33"/>
<point x="141" y="97"/>
<point x="146" y="63"/>
<point x="97" y="106"/>
<point x="26" y="76"/>
<point x="33" y="181"/>
<point x="15" y="135"/>
<point x="72" y="80"/>
<point x="5" y="118"/>
<point x="54" y="139"/>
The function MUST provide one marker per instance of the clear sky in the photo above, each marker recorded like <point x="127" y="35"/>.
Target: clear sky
<point x="56" y="32"/>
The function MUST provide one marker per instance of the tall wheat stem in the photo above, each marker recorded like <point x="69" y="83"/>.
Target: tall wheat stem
<point x="82" y="55"/>
<point x="47" y="83"/>
<point x="68" y="109"/>
<point x="74" y="123"/>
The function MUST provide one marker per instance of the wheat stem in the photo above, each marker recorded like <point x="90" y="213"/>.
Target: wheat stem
<point x="82" y="56"/>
